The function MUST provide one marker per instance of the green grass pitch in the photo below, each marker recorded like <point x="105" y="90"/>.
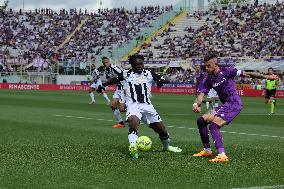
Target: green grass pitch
<point x="57" y="140"/>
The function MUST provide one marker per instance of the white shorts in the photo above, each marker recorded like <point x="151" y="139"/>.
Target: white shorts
<point x="96" y="84"/>
<point x="118" y="94"/>
<point x="212" y="94"/>
<point x="147" y="111"/>
<point x="145" y="120"/>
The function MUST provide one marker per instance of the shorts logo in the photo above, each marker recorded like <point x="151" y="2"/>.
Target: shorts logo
<point x="222" y="115"/>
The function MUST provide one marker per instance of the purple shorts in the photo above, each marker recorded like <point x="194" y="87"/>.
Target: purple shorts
<point x="229" y="111"/>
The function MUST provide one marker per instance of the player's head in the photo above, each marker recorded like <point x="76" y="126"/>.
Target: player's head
<point x="211" y="63"/>
<point x="270" y="71"/>
<point x="136" y="62"/>
<point x="93" y="66"/>
<point x="105" y="61"/>
<point x="197" y="68"/>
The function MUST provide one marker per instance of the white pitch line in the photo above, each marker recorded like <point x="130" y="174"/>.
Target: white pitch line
<point x="263" y="187"/>
<point x="172" y="126"/>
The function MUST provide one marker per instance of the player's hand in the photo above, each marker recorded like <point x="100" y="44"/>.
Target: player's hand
<point x="159" y="84"/>
<point x="196" y="108"/>
<point x="272" y="77"/>
<point x="100" y="89"/>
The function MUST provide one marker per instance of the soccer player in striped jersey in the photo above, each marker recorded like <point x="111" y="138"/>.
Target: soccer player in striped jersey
<point x="222" y="81"/>
<point x="111" y="70"/>
<point x="138" y="103"/>
<point x="96" y="81"/>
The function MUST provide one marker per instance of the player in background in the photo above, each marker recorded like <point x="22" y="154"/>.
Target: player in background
<point x="111" y="71"/>
<point x="139" y="104"/>
<point x="212" y="100"/>
<point x="200" y="76"/>
<point x="270" y="92"/>
<point x="96" y="81"/>
<point x="221" y="80"/>
<point x="212" y="97"/>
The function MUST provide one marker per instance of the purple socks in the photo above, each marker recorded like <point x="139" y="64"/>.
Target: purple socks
<point x="217" y="137"/>
<point x="203" y="131"/>
<point x="215" y="132"/>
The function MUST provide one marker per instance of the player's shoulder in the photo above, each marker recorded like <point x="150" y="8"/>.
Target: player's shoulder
<point x="147" y="72"/>
<point x="114" y="66"/>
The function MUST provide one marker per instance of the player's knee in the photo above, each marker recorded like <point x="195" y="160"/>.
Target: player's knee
<point x="219" y="121"/>
<point x="208" y="118"/>
<point x="133" y="122"/>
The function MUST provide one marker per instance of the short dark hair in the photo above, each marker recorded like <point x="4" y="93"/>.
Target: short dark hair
<point x="210" y="56"/>
<point x="270" y="68"/>
<point x="103" y="58"/>
<point x="132" y="58"/>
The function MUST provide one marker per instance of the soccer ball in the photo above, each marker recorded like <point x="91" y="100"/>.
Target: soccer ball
<point x="144" y="143"/>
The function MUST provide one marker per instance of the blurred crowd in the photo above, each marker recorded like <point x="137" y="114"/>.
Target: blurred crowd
<point x="246" y="31"/>
<point x="34" y="37"/>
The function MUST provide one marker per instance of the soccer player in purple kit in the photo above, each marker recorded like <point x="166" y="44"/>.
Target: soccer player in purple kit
<point x="199" y="77"/>
<point x="222" y="81"/>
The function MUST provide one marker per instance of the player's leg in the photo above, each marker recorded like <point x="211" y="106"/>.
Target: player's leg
<point x="116" y="112"/>
<point x="204" y="135"/>
<point x="155" y="122"/>
<point x="216" y="100"/>
<point x="107" y="100"/>
<point x="103" y="93"/>
<point x="133" y="116"/>
<point x="92" y="95"/>
<point x="267" y="96"/>
<point x="208" y="102"/>
<point x="225" y="114"/>
<point x="272" y="105"/>
<point x="272" y="101"/>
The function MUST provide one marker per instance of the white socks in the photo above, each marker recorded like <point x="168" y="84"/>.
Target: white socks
<point x="106" y="98"/>
<point x="207" y="105"/>
<point x="117" y="114"/>
<point x="92" y="96"/>
<point x="132" y="138"/>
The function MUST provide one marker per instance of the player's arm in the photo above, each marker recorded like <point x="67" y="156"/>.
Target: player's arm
<point x="112" y="81"/>
<point x="197" y="103"/>
<point x="206" y="86"/>
<point x="161" y="80"/>
<point x="259" y="75"/>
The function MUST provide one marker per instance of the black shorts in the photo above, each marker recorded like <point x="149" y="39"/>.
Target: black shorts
<point x="270" y="93"/>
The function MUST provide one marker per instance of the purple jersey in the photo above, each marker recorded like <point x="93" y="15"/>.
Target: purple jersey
<point x="200" y="77"/>
<point x="223" y="83"/>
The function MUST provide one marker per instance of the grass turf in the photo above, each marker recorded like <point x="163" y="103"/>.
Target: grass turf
<point x="56" y="140"/>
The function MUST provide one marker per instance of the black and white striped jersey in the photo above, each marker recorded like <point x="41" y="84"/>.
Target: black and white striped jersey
<point x="95" y="75"/>
<point x="137" y="87"/>
<point x="113" y="71"/>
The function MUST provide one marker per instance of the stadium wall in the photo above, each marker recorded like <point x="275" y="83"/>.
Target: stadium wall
<point x="167" y="90"/>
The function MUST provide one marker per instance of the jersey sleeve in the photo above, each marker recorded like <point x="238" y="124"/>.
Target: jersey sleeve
<point x="233" y="72"/>
<point x="206" y="86"/>
<point x="116" y="70"/>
